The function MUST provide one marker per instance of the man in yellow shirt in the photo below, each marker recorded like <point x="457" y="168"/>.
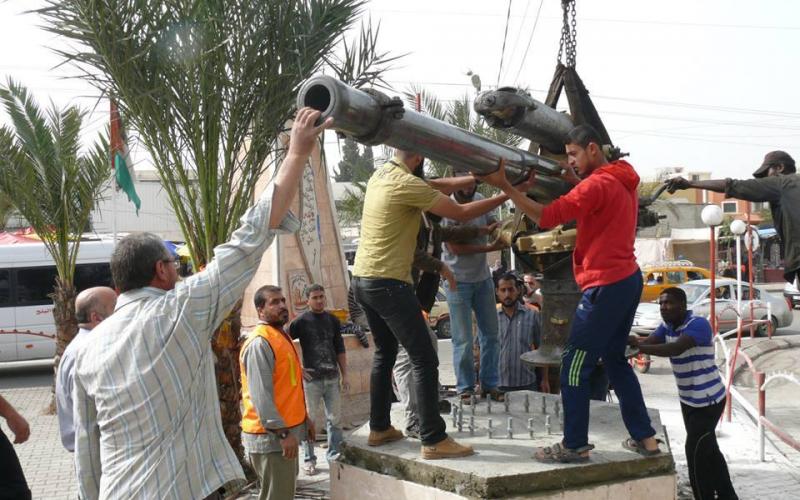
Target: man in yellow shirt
<point x="382" y="282"/>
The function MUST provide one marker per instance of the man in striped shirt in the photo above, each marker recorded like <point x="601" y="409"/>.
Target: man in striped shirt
<point x="147" y="418"/>
<point x="520" y="332"/>
<point x="687" y="341"/>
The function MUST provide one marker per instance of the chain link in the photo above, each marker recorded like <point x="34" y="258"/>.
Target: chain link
<point x="569" y="34"/>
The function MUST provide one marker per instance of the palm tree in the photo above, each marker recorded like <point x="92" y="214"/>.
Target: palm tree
<point x="6" y="208"/>
<point x="208" y="85"/>
<point x="54" y="186"/>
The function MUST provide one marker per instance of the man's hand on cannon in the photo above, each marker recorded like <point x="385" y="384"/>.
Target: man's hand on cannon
<point x="677" y="184"/>
<point x="497" y="178"/>
<point x="528" y="183"/>
<point x="487" y="230"/>
<point x="569" y="174"/>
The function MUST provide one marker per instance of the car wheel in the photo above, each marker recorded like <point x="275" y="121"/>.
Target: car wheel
<point x="763" y="328"/>
<point x="443" y="329"/>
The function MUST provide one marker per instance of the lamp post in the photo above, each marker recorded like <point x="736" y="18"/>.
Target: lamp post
<point x="738" y="227"/>
<point x="712" y="217"/>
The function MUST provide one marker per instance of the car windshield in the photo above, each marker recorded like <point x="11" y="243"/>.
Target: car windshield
<point x="694" y="292"/>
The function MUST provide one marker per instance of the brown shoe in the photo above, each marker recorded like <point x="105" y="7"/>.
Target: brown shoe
<point x="446" y="448"/>
<point x="377" y="438"/>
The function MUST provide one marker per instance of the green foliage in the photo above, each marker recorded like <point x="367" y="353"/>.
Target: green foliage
<point x="45" y="175"/>
<point x="355" y="165"/>
<point x="6" y="209"/>
<point x="209" y="85"/>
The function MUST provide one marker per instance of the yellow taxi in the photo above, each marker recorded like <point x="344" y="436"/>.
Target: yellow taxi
<point x="663" y="275"/>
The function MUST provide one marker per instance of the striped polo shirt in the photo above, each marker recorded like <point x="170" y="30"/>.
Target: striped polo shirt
<point x="517" y="333"/>
<point x="696" y="373"/>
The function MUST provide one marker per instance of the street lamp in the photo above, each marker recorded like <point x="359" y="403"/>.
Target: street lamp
<point x="738" y="227"/>
<point x="712" y="216"/>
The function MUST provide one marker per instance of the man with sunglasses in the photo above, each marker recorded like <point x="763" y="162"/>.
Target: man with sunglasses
<point x="776" y="182"/>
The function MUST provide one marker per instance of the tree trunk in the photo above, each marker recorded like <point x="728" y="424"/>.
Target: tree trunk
<point x="226" y="344"/>
<point x="66" y="326"/>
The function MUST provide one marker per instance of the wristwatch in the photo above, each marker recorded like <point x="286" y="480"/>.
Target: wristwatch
<point x="283" y="434"/>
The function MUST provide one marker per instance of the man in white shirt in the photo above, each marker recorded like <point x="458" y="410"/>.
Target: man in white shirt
<point x="92" y="306"/>
<point x="147" y="418"/>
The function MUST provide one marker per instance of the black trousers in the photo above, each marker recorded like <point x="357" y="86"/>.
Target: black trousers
<point x="708" y="471"/>
<point x="395" y="315"/>
<point x="12" y="481"/>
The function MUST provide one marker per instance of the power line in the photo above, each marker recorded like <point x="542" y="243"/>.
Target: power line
<point x="530" y="39"/>
<point x="505" y="37"/>
<point x="519" y="32"/>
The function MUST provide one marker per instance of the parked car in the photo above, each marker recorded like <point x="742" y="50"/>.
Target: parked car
<point x="666" y="274"/>
<point x="791" y="294"/>
<point x="439" y="318"/>
<point x="27" y="274"/>
<point x="648" y="314"/>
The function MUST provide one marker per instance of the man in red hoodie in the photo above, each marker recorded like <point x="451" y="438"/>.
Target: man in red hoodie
<point x="605" y="204"/>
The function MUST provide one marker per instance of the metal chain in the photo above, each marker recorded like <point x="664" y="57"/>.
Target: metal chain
<point x="573" y="52"/>
<point x="568" y="44"/>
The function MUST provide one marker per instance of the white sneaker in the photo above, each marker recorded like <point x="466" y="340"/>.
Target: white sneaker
<point x="310" y="468"/>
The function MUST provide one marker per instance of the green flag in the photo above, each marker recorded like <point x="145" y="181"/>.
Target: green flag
<point x="119" y="155"/>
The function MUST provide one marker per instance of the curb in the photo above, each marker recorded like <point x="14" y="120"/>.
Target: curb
<point x="759" y="349"/>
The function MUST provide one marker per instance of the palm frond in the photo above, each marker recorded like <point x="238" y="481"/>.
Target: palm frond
<point x="209" y="85"/>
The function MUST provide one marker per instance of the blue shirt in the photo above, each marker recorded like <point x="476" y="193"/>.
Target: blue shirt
<point x="695" y="370"/>
<point x="66" y="372"/>
<point x="470" y="267"/>
<point x="517" y="334"/>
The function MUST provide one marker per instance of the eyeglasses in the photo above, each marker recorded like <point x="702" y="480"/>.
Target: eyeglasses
<point x="175" y="262"/>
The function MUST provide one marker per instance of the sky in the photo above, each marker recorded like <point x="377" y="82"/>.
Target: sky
<point x="705" y="85"/>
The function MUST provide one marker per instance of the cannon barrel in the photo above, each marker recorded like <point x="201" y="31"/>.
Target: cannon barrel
<point x="513" y="109"/>
<point x="368" y="119"/>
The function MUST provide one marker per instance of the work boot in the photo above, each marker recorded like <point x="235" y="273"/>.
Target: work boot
<point x="377" y="438"/>
<point x="446" y="448"/>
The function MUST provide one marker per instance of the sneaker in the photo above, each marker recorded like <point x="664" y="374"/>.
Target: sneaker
<point x="412" y="430"/>
<point x="446" y="448"/>
<point x="496" y="394"/>
<point x="445" y="407"/>
<point x="466" y="397"/>
<point x="310" y="468"/>
<point x="377" y="438"/>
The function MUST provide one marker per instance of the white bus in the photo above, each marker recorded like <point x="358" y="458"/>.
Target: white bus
<point x="27" y="278"/>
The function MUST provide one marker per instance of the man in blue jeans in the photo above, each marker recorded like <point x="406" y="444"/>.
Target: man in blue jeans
<point x="474" y="292"/>
<point x="605" y="205"/>
<point x="324" y="359"/>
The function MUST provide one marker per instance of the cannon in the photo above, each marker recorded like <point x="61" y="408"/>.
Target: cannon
<point x="371" y="117"/>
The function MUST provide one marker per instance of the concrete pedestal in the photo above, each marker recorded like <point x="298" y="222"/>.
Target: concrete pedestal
<point x="503" y="466"/>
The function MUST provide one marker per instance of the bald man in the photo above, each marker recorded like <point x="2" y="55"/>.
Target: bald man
<point x="92" y="306"/>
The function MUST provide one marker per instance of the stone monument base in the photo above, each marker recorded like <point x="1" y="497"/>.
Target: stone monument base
<point x="503" y="466"/>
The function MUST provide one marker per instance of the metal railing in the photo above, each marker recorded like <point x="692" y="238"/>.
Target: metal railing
<point x="762" y="380"/>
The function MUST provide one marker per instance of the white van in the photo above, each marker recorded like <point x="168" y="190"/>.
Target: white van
<point x="27" y="278"/>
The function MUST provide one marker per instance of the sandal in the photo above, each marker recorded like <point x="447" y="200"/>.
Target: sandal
<point x="635" y="446"/>
<point x="559" y="454"/>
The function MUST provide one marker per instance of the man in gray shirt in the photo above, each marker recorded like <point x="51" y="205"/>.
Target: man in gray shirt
<point x="776" y="182"/>
<point x="92" y="306"/>
<point x="474" y="292"/>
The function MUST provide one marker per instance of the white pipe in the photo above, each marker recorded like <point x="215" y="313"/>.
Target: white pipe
<point x="739" y="282"/>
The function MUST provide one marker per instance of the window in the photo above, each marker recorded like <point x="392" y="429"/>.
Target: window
<point x="89" y="275"/>
<point x="729" y="207"/>
<point x="746" y="293"/>
<point x="5" y="287"/>
<point x="34" y="285"/>
<point x="675" y="277"/>
<point x="694" y="275"/>
<point x="695" y="177"/>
